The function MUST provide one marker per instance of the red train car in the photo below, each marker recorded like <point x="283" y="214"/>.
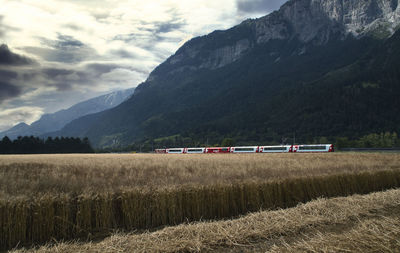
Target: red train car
<point x="218" y="150"/>
<point x="160" y="151"/>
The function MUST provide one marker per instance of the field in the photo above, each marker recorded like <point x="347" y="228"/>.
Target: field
<point x="35" y="175"/>
<point x="63" y="197"/>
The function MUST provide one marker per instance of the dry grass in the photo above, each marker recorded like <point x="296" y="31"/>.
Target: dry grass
<point x="378" y="234"/>
<point x="81" y="196"/>
<point x="33" y="175"/>
<point x="369" y="223"/>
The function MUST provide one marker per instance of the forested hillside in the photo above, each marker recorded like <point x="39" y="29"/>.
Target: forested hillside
<point x="311" y="75"/>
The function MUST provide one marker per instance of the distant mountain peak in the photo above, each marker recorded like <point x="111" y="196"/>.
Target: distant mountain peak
<point x="55" y="121"/>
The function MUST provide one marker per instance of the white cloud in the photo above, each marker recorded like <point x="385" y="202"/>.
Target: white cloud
<point x="10" y="117"/>
<point x="140" y="19"/>
<point x="117" y="78"/>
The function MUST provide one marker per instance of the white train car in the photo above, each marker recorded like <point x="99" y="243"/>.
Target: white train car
<point x="276" y="149"/>
<point x="252" y="149"/>
<point x="195" y="150"/>
<point x="316" y="148"/>
<point x="175" y="151"/>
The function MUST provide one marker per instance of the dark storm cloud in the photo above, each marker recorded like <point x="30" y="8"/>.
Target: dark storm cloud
<point x="150" y="39"/>
<point x="61" y="86"/>
<point x="169" y="27"/>
<point x="101" y="68"/>
<point x="54" y="73"/>
<point x="9" y="58"/>
<point x="65" y="41"/>
<point x="9" y="76"/>
<point x="65" y="49"/>
<point x="35" y="78"/>
<point x="13" y="77"/>
<point x="8" y="90"/>
<point x="259" y="6"/>
<point x="29" y="76"/>
<point x="154" y="31"/>
<point x="123" y="54"/>
<point x="63" y="79"/>
<point x="6" y="75"/>
<point x="173" y="23"/>
<point x="38" y="77"/>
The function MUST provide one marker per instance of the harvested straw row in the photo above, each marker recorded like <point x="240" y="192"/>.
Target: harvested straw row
<point x="359" y="223"/>
<point x="377" y="234"/>
<point x="24" y="222"/>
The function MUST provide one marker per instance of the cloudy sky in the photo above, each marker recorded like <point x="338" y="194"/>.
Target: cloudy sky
<point x="55" y="53"/>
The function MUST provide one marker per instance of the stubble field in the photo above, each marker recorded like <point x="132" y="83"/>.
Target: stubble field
<point x="44" y="197"/>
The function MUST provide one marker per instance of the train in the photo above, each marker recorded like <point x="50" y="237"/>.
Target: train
<point x="314" y="148"/>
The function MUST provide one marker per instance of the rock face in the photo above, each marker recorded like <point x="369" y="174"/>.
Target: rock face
<point x="309" y="21"/>
<point x="309" y="17"/>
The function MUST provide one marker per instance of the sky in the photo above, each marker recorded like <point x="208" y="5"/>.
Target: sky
<point x="55" y="53"/>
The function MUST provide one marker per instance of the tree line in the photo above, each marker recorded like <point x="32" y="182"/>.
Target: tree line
<point x="373" y="140"/>
<point x="35" y="145"/>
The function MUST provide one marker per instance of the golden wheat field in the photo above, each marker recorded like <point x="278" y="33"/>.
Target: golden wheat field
<point x="63" y="197"/>
<point x="34" y="175"/>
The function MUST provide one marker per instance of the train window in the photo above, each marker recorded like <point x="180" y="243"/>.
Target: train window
<point x="274" y="148"/>
<point x="244" y="149"/>
<point x="195" y="150"/>
<point x="175" y="150"/>
<point x="224" y="149"/>
<point x="312" y="148"/>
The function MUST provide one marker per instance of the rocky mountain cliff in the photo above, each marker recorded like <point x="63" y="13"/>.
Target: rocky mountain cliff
<point x="267" y="78"/>
<point x="56" y="121"/>
<point x="309" y="21"/>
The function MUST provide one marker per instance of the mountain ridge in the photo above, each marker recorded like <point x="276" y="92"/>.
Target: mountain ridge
<point x="56" y="121"/>
<point x="247" y="82"/>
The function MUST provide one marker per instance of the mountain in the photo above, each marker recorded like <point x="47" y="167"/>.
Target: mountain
<point x="313" y="68"/>
<point x="15" y="130"/>
<point x="56" y="121"/>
